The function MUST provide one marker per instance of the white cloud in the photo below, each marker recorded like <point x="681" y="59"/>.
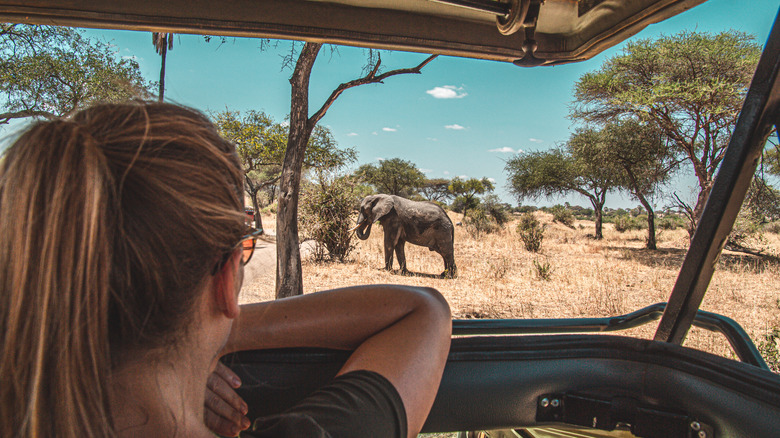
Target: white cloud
<point x="463" y="176"/>
<point x="380" y="159"/>
<point x="447" y="92"/>
<point x="374" y="133"/>
<point x="285" y="123"/>
<point x="426" y="170"/>
<point x="133" y="57"/>
<point x="446" y="172"/>
<point x="503" y="150"/>
<point x="535" y="140"/>
<point x="386" y="129"/>
<point x="352" y="134"/>
<point x="455" y="126"/>
<point x="493" y="180"/>
<point x="432" y="139"/>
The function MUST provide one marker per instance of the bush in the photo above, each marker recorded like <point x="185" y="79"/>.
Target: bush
<point x="747" y="232"/>
<point x="562" y="215"/>
<point x="625" y="223"/>
<point x="496" y="209"/>
<point x="667" y="223"/>
<point x="326" y="207"/>
<point x="769" y="347"/>
<point x="479" y="222"/>
<point x="531" y="232"/>
<point x="543" y="269"/>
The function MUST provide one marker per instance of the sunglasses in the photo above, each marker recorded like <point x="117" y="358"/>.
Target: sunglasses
<point x="246" y="243"/>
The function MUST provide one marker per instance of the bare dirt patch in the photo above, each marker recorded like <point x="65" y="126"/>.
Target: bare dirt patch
<point x="589" y="278"/>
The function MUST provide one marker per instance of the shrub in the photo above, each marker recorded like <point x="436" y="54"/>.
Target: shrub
<point x="667" y="223"/>
<point x="531" y="232"/>
<point x="747" y="232"/>
<point x="479" y="222"/>
<point x="625" y="223"/>
<point x="543" y="269"/>
<point x="562" y="215"/>
<point x="769" y="347"/>
<point x="326" y="207"/>
<point x="496" y="209"/>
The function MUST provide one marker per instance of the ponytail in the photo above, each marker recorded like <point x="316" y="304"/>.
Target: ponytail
<point x="109" y="222"/>
<point x="55" y="213"/>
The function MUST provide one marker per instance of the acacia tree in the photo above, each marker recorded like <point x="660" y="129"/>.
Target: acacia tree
<point x="289" y="278"/>
<point x="578" y="167"/>
<point x="436" y="189"/>
<point x="467" y="191"/>
<point x="690" y="86"/>
<point x="644" y="159"/>
<point x="261" y="144"/>
<point x="52" y="72"/>
<point x="393" y="177"/>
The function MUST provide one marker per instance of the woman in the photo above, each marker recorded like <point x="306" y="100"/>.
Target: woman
<point x="121" y="262"/>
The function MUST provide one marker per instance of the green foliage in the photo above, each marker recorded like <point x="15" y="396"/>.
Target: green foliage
<point x="261" y="144"/>
<point x="531" y="232"/>
<point x="326" y="208"/>
<point x="579" y="167"/>
<point x="625" y="223"/>
<point x="543" y="269"/>
<point x="496" y="209"/>
<point x="562" y="215"/>
<point x="436" y="190"/>
<point x="769" y="347"/>
<point x="466" y="192"/>
<point x="747" y="232"/>
<point x="480" y="222"/>
<point x="48" y="71"/>
<point x="690" y="86"/>
<point x="670" y="222"/>
<point x="526" y="209"/>
<point x="393" y="177"/>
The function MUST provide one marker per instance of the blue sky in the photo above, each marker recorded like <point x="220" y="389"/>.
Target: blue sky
<point x="461" y="117"/>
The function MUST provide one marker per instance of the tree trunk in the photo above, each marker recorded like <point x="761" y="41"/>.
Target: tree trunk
<point x="163" y="55"/>
<point x="289" y="278"/>
<point x="650" y="220"/>
<point x="701" y="200"/>
<point x="256" y="206"/>
<point x="597" y="211"/>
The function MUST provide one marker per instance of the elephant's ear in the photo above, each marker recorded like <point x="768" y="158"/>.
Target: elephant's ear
<point x="382" y="207"/>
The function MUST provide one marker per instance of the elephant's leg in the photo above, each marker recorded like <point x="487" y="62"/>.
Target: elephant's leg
<point x="400" y="255"/>
<point x="447" y="253"/>
<point x="388" y="254"/>
<point x="450" y="270"/>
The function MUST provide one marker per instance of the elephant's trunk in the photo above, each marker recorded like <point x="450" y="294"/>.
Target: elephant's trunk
<point x="364" y="227"/>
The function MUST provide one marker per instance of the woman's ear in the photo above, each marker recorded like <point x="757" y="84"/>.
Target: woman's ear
<point x="227" y="283"/>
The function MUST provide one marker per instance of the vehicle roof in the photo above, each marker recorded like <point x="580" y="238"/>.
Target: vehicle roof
<point x="560" y="31"/>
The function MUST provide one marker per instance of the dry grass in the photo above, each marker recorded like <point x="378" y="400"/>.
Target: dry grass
<point x="589" y="278"/>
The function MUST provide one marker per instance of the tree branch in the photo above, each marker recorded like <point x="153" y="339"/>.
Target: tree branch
<point x="370" y="78"/>
<point x="6" y="117"/>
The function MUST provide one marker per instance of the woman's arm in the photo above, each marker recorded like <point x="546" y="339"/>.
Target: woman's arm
<point x="400" y="332"/>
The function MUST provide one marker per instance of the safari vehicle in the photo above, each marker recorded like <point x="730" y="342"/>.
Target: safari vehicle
<point x="570" y="379"/>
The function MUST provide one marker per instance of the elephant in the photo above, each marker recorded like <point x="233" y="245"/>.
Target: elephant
<point x="419" y="223"/>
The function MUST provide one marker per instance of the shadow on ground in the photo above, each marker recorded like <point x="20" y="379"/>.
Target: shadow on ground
<point x="672" y="258"/>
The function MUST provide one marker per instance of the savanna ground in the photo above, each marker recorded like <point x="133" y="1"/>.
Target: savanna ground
<point x="497" y="277"/>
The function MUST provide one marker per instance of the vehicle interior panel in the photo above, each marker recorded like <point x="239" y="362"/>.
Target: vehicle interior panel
<point x="499" y="382"/>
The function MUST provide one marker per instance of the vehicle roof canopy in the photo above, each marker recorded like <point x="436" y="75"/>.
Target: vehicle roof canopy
<point x="526" y="32"/>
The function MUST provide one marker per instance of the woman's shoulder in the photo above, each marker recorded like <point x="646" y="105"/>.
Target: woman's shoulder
<point x="355" y="404"/>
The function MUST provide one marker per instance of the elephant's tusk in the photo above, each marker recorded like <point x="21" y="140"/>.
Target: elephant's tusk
<point x="353" y="229"/>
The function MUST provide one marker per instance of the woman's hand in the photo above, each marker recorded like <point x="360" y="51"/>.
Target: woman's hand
<point x="225" y="410"/>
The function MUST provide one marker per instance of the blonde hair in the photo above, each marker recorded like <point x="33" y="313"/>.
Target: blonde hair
<point x="108" y="223"/>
